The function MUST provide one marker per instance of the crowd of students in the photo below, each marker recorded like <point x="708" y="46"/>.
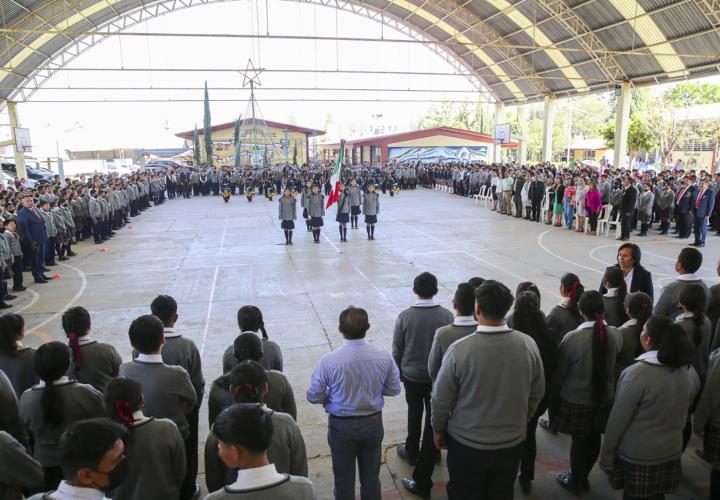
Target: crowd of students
<point x="78" y="421"/>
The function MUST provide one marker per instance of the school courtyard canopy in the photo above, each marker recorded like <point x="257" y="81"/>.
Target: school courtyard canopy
<point x="520" y="50"/>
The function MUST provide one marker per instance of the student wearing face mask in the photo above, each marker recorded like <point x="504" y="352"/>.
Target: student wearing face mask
<point x="93" y="461"/>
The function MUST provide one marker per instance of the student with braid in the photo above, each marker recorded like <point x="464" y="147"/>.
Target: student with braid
<point x="643" y="439"/>
<point x="16" y="360"/>
<point x="614" y="297"/>
<point x="250" y="319"/>
<point x="696" y="325"/>
<point x="584" y="387"/>
<point x="153" y="446"/>
<point x="91" y="362"/>
<point x="248" y="384"/>
<point x="639" y="310"/>
<point x="565" y="316"/>
<point x="52" y="405"/>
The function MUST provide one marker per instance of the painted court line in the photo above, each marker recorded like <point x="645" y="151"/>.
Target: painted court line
<point x="73" y="300"/>
<point x="209" y="311"/>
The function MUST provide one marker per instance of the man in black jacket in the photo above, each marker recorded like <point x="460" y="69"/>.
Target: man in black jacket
<point x="627" y="206"/>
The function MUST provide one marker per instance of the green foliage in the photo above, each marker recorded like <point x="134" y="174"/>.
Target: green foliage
<point x="607" y="132"/>
<point x="236" y="142"/>
<point x="639" y="138"/>
<point x="692" y="94"/>
<point x="196" y="147"/>
<point x="207" y="128"/>
<point x="463" y="115"/>
<point x="294" y="152"/>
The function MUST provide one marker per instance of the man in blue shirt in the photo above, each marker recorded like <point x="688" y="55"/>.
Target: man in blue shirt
<point x="350" y="383"/>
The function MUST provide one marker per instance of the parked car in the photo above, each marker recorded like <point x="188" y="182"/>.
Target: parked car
<point x="163" y="165"/>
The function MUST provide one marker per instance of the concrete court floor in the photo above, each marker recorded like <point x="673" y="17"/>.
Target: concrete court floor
<point x="215" y="257"/>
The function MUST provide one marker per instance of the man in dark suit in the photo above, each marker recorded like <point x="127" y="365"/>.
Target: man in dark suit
<point x="34" y="232"/>
<point x="702" y="209"/>
<point x="627" y="207"/>
<point x="517" y="187"/>
<point x="683" y="208"/>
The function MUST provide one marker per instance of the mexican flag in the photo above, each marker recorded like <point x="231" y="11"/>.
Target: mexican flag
<point x="335" y="178"/>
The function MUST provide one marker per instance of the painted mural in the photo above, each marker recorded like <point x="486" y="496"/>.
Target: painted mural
<point x="436" y="154"/>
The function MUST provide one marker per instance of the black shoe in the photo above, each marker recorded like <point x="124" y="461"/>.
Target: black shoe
<point x="63" y="258"/>
<point x="545" y="424"/>
<point x="412" y="487"/>
<point x="47" y="278"/>
<point x="19" y="288"/>
<point x="51" y="264"/>
<point x="525" y="485"/>
<point x="9" y="297"/>
<point x="98" y="242"/>
<point x="3" y="305"/>
<point x="71" y="254"/>
<point x="45" y="270"/>
<point x="403" y="453"/>
<point x="694" y="244"/>
<point x="41" y="281"/>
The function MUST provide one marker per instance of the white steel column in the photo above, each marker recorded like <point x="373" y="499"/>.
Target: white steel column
<point x="498" y="119"/>
<point x="622" y="122"/>
<point x="548" y="120"/>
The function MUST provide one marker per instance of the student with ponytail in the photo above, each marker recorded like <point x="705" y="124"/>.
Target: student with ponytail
<point x="248" y="384"/>
<point x="250" y="319"/>
<point x="584" y="387"/>
<point x="52" y="405"/>
<point x="565" y="316"/>
<point x="643" y="439"/>
<point x="153" y="446"/>
<point x="91" y="362"/>
<point x="639" y="310"/>
<point x="696" y="324"/>
<point x="16" y="360"/>
<point x="614" y="297"/>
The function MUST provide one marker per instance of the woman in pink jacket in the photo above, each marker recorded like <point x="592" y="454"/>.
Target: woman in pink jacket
<point x="593" y="204"/>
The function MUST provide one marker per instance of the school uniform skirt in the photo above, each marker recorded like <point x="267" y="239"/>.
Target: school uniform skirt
<point x="646" y="480"/>
<point x="579" y="420"/>
<point x="287" y="224"/>
<point x="355" y="210"/>
<point x="342" y="217"/>
<point x="371" y="219"/>
<point x="711" y="445"/>
<point x="316" y="221"/>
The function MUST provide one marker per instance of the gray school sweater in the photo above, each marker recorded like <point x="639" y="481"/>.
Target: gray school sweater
<point x="444" y="338"/>
<point x="561" y="320"/>
<point x="708" y="408"/>
<point x="287" y="452"/>
<point x="649" y="414"/>
<point x="702" y="351"/>
<point x="100" y="364"/>
<point x="667" y="304"/>
<point x="9" y="413"/>
<point x="20" y="369"/>
<point x="181" y="351"/>
<point x="415" y="329"/>
<point x="574" y="369"/>
<point x="272" y="357"/>
<point x="80" y="402"/>
<point x="18" y="470"/>
<point x="165" y="389"/>
<point x="630" y="333"/>
<point x="280" y="396"/>
<point x="488" y="387"/>
<point x="292" y="488"/>
<point x="156" y="457"/>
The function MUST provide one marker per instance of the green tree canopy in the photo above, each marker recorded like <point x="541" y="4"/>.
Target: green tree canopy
<point x="692" y="94"/>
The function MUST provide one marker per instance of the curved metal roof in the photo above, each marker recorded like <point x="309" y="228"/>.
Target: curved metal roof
<point x="520" y="50"/>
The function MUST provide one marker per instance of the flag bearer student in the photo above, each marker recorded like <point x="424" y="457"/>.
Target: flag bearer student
<point x="245" y="433"/>
<point x="463" y="325"/>
<point x="413" y="335"/>
<point x="316" y="209"/>
<point x="153" y="446"/>
<point x="49" y="408"/>
<point x="93" y="461"/>
<point x="248" y="385"/>
<point x="355" y="194"/>
<point x="371" y="209"/>
<point x="643" y="438"/>
<point x="287" y="213"/>
<point x="279" y="397"/>
<point x="706" y="421"/>
<point x="168" y="391"/>
<point x="16" y="249"/>
<point x="250" y="319"/>
<point x="482" y="427"/>
<point x="343" y="211"/>
<point x="583" y="388"/>
<point x="91" y="362"/>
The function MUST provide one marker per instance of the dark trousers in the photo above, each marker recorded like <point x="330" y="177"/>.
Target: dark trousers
<point x="527" y="462"/>
<point x="593" y="221"/>
<point x="659" y="496"/>
<point x="584" y="452"/>
<point x="700" y="229"/>
<point x="417" y="396"/>
<point x="428" y="454"/>
<point x="17" y="269"/>
<point x="187" y="490"/>
<point x="481" y="474"/>
<point x="535" y="215"/>
<point x="50" y="250"/>
<point x="684" y="223"/>
<point x="625" y="224"/>
<point x="356" y="441"/>
<point x="38" y="261"/>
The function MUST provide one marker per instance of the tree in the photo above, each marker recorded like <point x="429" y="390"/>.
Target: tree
<point x="207" y="128"/>
<point x="463" y="115"/>
<point x="295" y="153"/>
<point x="665" y="128"/>
<point x="639" y="138"/>
<point x="196" y="146"/>
<point x="687" y="94"/>
<point x="236" y="141"/>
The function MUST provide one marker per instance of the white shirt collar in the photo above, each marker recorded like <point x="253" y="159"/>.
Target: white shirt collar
<point x="611" y="292"/>
<point x="149" y="358"/>
<point x="170" y="333"/>
<point x="649" y="356"/>
<point x="464" y="321"/>
<point x="485" y="328"/>
<point x="248" y="479"/>
<point x="85" y="340"/>
<point x="565" y="301"/>
<point x="249" y="331"/>
<point x="629" y="277"/>
<point x="685" y="315"/>
<point x="630" y="322"/>
<point x="424" y="303"/>
<point x="66" y="491"/>
<point x="587" y="324"/>
<point x="688" y="277"/>
<point x="60" y="381"/>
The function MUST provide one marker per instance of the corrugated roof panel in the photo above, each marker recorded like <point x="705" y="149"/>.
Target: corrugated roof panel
<point x="591" y="72"/>
<point x="532" y="11"/>
<point x="620" y="37"/>
<point x="577" y="55"/>
<point x="599" y="13"/>
<point x="650" y="5"/>
<point x="637" y="65"/>
<point x="555" y="31"/>
<point x="680" y="21"/>
<point x="708" y="43"/>
<point x="503" y="25"/>
<point x="481" y="9"/>
<point x="555" y="82"/>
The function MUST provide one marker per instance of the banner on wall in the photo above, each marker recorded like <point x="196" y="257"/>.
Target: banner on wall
<point x="437" y="154"/>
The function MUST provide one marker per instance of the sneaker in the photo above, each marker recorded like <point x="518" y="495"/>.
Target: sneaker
<point x="412" y="487"/>
<point x="403" y="453"/>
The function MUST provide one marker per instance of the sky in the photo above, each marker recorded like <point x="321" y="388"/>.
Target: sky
<point x="81" y="126"/>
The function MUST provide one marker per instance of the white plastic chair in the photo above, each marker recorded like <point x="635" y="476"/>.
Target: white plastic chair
<point x="615" y="223"/>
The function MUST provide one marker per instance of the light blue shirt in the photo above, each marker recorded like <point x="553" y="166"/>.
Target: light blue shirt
<point x="352" y="380"/>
